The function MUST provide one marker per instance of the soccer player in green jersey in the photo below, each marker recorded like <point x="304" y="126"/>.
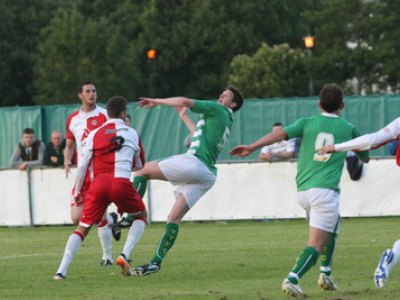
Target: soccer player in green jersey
<point x="317" y="180"/>
<point x="193" y="173"/>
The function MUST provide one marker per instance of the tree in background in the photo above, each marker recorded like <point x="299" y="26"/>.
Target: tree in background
<point x="277" y="71"/>
<point x="386" y="45"/>
<point x="47" y="47"/>
<point x="355" y="43"/>
<point x="195" y="42"/>
<point x="74" y="49"/>
<point x="21" y="22"/>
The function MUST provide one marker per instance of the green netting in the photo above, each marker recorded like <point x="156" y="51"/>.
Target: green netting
<point x="13" y="120"/>
<point x="163" y="133"/>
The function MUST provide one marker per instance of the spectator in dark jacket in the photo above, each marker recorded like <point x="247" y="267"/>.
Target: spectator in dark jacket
<point x="54" y="155"/>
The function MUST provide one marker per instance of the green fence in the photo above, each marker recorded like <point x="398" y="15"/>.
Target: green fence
<point x="163" y="133"/>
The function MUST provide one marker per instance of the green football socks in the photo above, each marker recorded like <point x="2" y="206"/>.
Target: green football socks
<point x="166" y="242"/>
<point x="327" y="256"/>
<point x="140" y="184"/>
<point x="304" y="262"/>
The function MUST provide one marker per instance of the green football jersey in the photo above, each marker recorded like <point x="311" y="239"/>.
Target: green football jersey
<point x="212" y="131"/>
<point x="321" y="171"/>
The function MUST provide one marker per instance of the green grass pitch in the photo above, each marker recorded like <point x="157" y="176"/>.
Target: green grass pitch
<point x="236" y="260"/>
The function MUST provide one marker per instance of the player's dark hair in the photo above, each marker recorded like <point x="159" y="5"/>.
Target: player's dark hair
<point x="237" y="97"/>
<point x="277" y="124"/>
<point x="116" y="105"/>
<point x="28" y="131"/>
<point x="331" y="97"/>
<point x="80" y="89"/>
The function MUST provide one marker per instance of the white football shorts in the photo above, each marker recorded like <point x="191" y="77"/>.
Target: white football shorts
<point x="322" y="207"/>
<point x="188" y="175"/>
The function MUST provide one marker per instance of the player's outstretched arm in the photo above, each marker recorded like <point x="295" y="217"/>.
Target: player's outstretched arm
<point x="272" y="137"/>
<point x="174" y="101"/>
<point x="147" y="103"/>
<point x="240" y="151"/>
<point x="326" y="149"/>
<point x="361" y="143"/>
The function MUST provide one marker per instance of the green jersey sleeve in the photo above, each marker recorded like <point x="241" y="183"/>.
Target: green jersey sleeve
<point x="295" y="129"/>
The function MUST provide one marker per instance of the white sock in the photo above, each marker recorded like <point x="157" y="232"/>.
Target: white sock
<point x="71" y="248"/>
<point x="134" y="235"/>
<point x="105" y="237"/>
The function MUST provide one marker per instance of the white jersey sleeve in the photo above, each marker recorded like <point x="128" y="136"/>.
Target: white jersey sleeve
<point x="84" y="163"/>
<point x="372" y="140"/>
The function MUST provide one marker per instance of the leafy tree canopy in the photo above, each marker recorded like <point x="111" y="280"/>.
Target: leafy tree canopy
<point x="48" y="47"/>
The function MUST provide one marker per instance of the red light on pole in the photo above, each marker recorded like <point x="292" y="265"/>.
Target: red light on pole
<point x="151" y="54"/>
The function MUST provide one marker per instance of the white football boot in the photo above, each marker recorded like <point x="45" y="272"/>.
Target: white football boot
<point x="292" y="289"/>
<point x="386" y="263"/>
<point x="326" y="282"/>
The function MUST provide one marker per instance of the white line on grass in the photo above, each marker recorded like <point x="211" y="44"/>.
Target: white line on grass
<point x="27" y="255"/>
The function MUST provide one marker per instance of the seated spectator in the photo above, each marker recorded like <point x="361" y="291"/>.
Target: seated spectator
<point x="278" y="151"/>
<point x="54" y="154"/>
<point x="29" y="152"/>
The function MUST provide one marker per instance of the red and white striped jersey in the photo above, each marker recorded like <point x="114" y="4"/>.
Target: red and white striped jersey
<point x="113" y="148"/>
<point x="80" y="124"/>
